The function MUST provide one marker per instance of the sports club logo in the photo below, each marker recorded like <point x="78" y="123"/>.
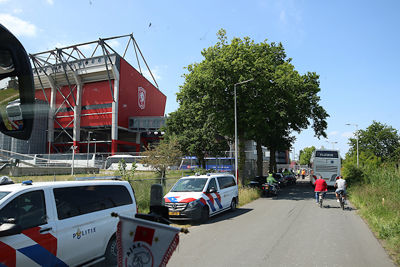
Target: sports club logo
<point x="144" y="243"/>
<point x="139" y="255"/>
<point x="141" y="97"/>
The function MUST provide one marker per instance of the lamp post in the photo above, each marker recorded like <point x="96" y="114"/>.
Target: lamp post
<point x="94" y="146"/>
<point x="333" y="144"/>
<point x="350" y="124"/>
<point x="73" y="159"/>
<point x="48" y="140"/>
<point x="236" y="137"/>
<point x="87" y="154"/>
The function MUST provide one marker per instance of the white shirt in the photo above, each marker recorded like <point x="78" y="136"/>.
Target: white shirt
<point x="341" y="184"/>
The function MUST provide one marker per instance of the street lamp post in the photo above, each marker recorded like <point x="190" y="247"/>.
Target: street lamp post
<point x="236" y="137"/>
<point x="48" y="141"/>
<point x="73" y="159"/>
<point x="333" y="144"/>
<point x="350" y="124"/>
<point x="94" y="146"/>
<point x="87" y="154"/>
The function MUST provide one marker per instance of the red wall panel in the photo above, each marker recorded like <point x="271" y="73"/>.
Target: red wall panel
<point x="130" y="80"/>
<point x="96" y="98"/>
<point x="97" y="93"/>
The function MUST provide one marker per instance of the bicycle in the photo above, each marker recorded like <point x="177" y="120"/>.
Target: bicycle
<point x="341" y="199"/>
<point x="320" y="198"/>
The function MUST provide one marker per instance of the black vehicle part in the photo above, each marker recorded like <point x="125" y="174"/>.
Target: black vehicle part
<point x="111" y="252"/>
<point x="233" y="204"/>
<point x="205" y="214"/>
<point x="14" y="63"/>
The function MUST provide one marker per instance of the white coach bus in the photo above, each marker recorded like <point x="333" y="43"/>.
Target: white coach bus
<point x="325" y="163"/>
<point x="112" y="162"/>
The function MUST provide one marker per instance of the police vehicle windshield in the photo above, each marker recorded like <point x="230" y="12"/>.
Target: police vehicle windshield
<point x="3" y="194"/>
<point x="190" y="185"/>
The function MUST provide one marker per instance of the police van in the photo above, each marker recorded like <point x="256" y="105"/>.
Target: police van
<point x="201" y="196"/>
<point x="62" y="223"/>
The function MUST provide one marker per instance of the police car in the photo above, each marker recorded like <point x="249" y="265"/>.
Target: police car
<point x="201" y="196"/>
<point x="61" y="223"/>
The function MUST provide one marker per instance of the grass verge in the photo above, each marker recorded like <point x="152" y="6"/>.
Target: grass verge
<point x="378" y="203"/>
<point x="247" y="195"/>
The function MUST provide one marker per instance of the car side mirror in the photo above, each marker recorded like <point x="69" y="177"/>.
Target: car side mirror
<point x="7" y="229"/>
<point x="16" y="88"/>
<point x="212" y="190"/>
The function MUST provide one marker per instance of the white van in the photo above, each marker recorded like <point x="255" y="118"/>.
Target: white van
<point x="201" y="196"/>
<point x="62" y="223"/>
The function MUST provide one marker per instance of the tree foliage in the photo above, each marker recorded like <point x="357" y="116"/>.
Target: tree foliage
<point x="305" y="155"/>
<point x="276" y="102"/>
<point x="195" y="132"/>
<point x="122" y="171"/>
<point x="162" y="156"/>
<point x="379" y="144"/>
<point x="379" y="140"/>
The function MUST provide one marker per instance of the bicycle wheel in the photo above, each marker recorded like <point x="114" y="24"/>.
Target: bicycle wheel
<point x="341" y="202"/>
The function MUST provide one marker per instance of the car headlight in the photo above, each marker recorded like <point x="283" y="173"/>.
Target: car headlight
<point x="192" y="204"/>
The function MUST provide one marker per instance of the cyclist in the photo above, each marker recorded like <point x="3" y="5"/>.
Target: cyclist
<point x="340" y="186"/>
<point x="303" y="173"/>
<point x="271" y="179"/>
<point x="320" y="186"/>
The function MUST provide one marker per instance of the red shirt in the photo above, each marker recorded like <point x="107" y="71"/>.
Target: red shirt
<point x="320" y="185"/>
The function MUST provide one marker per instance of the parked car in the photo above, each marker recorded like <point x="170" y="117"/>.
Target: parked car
<point x="62" y="223"/>
<point x="201" y="196"/>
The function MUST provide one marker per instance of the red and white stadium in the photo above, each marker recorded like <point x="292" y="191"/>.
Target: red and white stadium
<point x="98" y="98"/>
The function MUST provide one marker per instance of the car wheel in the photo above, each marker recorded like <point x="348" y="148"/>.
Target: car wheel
<point x="205" y="214"/>
<point x="111" y="252"/>
<point x="233" y="205"/>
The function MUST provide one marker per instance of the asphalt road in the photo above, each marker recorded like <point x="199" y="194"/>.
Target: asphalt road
<point x="290" y="230"/>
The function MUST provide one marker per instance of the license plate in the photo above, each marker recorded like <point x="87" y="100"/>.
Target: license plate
<point x="174" y="213"/>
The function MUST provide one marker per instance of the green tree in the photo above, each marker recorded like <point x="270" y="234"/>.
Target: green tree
<point x="195" y="132"/>
<point x="276" y="102"/>
<point x="162" y="156"/>
<point x="379" y="139"/>
<point x="296" y="106"/>
<point x="305" y="155"/>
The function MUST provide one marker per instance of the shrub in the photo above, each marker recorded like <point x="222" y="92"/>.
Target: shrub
<point x="353" y="174"/>
<point x="122" y="167"/>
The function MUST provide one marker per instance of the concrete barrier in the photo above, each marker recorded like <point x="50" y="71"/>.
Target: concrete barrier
<point x="32" y="171"/>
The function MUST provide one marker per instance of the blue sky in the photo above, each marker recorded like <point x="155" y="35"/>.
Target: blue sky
<point x="352" y="45"/>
